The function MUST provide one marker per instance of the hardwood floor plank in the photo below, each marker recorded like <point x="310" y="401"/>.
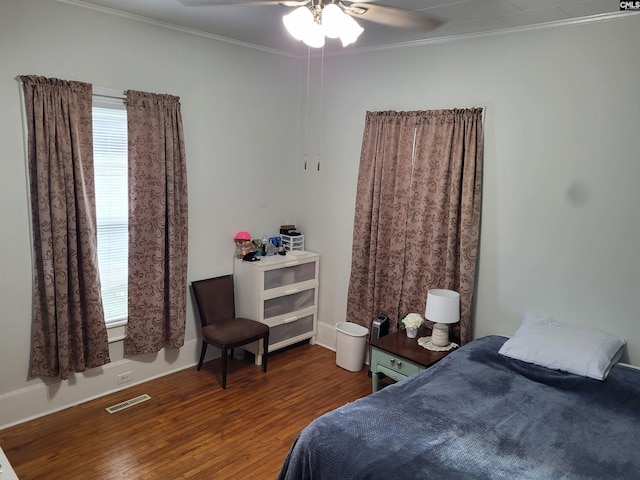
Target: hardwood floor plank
<point x="191" y="428"/>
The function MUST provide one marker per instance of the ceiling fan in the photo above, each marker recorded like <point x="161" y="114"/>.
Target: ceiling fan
<point x="314" y="19"/>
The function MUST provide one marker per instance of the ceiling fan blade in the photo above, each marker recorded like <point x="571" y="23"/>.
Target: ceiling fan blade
<point x="392" y="16"/>
<point x="206" y="3"/>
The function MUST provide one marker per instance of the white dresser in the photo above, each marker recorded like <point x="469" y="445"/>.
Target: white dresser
<point x="282" y="292"/>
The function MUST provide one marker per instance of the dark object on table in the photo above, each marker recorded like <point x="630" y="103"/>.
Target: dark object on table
<point x="251" y="257"/>
<point x="289" y="230"/>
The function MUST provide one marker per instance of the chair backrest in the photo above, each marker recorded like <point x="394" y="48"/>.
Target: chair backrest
<point x="215" y="299"/>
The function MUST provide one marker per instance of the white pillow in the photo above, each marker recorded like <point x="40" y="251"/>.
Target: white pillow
<point x="556" y="345"/>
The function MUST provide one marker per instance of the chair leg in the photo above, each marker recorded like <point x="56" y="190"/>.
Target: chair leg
<point x="265" y="355"/>
<point x="202" y="352"/>
<point x="224" y="367"/>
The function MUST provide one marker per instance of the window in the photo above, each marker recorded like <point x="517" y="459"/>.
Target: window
<point x="110" y="168"/>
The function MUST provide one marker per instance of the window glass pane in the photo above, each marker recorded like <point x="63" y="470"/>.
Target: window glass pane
<point x="110" y="166"/>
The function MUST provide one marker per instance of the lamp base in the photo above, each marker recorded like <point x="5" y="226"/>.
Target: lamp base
<point x="440" y="334"/>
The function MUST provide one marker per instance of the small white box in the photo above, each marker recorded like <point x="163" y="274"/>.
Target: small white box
<point x="292" y="243"/>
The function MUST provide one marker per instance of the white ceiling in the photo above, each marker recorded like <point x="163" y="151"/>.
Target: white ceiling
<point x="261" y="25"/>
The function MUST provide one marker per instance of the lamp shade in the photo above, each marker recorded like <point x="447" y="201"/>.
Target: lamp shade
<point x="443" y="306"/>
<point x="298" y="22"/>
<point x="314" y="36"/>
<point x="351" y="30"/>
<point x="332" y="20"/>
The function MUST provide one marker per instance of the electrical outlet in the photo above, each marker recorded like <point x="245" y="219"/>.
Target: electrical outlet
<point x="124" y="378"/>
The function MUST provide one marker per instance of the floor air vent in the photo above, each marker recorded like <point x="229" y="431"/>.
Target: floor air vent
<point x="127" y="403"/>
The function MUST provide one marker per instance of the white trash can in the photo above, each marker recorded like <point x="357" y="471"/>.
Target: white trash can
<point x="351" y="346"/>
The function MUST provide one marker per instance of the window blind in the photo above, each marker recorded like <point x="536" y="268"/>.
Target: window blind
<point x="111" y="185"/>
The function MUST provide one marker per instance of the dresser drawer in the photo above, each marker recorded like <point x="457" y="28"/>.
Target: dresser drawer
<point x="387" y="362"/>
<point x="391" y="373"/>
<point x="292" y="329"/>
<point x="275" y="307"/>
<point x="291" y="273"/>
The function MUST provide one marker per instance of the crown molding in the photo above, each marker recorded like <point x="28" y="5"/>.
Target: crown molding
<point x="171" y="26"/>
<point x="354" y="49"/>
<point x="503" y="31"/>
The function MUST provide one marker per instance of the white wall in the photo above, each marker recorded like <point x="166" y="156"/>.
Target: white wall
<point x="239" y="107"/>
<point x="560" y="219"/>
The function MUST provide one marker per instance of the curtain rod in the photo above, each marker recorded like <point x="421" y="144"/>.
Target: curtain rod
<point x="111" y="93"/>
<point x="115" y="97"/>
<point x="109" y="96"/>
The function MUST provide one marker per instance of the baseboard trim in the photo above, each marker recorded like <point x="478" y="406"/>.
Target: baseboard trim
<point x="35" y="401"/>
<point x="326" y="336"/>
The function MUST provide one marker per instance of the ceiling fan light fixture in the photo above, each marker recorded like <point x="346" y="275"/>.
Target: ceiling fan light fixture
<point x="299" y="22"/>
<point x="351" y="30"/>
<point x="313" y="25"/>
<point x="332" y="20"/>
<point x="314" y="36"/>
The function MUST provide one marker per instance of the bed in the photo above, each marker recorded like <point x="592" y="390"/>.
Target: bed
<point x="480" y="414"/>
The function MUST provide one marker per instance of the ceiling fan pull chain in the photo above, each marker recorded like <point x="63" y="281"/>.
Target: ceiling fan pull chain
<point x="321" y="105"/>
<point x="306" y="119"/>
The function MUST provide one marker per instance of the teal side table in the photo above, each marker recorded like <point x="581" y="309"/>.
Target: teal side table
<point x="399" y="357"/>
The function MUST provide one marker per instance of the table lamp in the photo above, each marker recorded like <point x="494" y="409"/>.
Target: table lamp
<point x="443" y="308"/>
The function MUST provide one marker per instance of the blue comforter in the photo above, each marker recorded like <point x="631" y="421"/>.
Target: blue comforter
<point x="478" y="414"/>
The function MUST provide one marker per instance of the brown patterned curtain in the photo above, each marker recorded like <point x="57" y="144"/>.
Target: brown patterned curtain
<point x="157" y="223"/>
<point x="68" y="332"/>
<point x="417" y="217"/>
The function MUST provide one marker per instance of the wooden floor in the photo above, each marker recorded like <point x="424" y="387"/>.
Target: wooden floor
<point x="191" y="428"/>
